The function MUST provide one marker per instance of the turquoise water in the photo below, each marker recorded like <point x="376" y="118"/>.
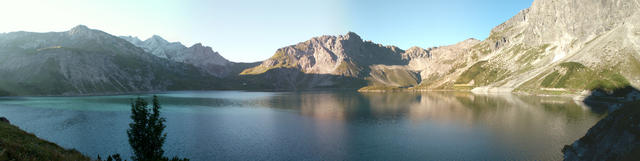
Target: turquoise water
<point x="236" y="125"/>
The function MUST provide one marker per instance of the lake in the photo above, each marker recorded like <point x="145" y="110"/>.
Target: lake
<point x="318" y="125"/>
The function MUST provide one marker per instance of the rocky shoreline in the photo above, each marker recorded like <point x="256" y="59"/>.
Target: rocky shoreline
<point x="616" y="137"/>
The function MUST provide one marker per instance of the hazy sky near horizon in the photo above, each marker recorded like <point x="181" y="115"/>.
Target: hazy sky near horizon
<point x="252" y="30"/>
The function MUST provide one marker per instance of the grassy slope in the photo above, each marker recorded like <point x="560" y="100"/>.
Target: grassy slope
<point x="481" y="73"/>
<point x="575" y="77"/>
<point x="16" y="144"/>
<point x="283" y="61"/>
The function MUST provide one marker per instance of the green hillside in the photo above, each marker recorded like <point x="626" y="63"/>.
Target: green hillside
<point x="16" y="144"/>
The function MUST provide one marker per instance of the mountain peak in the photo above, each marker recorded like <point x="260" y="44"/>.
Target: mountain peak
<point x="132" y="39"/>
<point x="414" y="48"/>
<point x="156" y="39"/>
<point x="200" y="46"/>
<point x="469" y="41"/>
<point x="352" y="35"/>
<point x="80" y="27"/>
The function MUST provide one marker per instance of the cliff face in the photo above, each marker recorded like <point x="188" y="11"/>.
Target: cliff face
<point x="346" y="55"/>
<point x="319" y="61"/>
<point x="86" y="61"/>
<point x="380" y="66"/>
<point x="553" y="47"/>
<point x="533" y="49"/>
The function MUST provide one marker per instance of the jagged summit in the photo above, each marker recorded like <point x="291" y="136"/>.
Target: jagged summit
<point x="156" y="40"/>
<point x="415" y="49"/>
<point x="345" y="55"/>
<point x="198" y="55"/>
<point x="352" y="36"/>
<point x="349" y="36"/>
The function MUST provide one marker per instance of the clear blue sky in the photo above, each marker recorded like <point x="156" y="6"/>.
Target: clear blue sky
<point x="252" y="30"/>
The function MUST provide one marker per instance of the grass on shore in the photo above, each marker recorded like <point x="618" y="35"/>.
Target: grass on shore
<point x="16" y="144"/>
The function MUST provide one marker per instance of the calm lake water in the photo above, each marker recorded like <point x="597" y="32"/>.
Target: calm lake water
<point x="236" y="125"/>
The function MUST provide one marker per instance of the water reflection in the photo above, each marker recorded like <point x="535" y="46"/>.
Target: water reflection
<point x="233" y="125"/>
<point x="434" y="106"/>
<point x="518" y="126"/>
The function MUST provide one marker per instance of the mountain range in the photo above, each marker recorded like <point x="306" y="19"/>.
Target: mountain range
<point x="553" y="47"/>
<point x="86" y="61"/>
<point x="197" y="55"/>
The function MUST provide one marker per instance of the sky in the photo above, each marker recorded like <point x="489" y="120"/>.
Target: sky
<point x="252" y="30"/>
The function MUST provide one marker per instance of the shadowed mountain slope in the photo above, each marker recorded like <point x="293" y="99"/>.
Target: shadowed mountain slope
<point x="86" y="61"/>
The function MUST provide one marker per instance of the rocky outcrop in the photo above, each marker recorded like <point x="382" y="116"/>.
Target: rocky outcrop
<point x="616" y="137"/>
<point x="323" y="58"/>
<point x="346" y="55"/>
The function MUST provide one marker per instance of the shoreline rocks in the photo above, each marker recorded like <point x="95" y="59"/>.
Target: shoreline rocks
<point x="616" y="137"/>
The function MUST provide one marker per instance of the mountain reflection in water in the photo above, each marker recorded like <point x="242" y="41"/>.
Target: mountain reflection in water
<point x="318" y="125"/>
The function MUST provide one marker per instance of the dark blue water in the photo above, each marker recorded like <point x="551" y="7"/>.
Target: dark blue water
<point x="235" y="125"/>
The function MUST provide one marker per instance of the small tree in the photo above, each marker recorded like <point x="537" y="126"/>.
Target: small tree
<point x="145" y="133"/>
<point x="157" y="137"/>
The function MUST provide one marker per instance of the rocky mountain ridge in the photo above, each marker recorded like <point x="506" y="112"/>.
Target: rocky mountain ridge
<point x="198" y="55"/>
<point x="86" y="61"/>
<point x="380" y="67"/>
<point x="550" y="48"/>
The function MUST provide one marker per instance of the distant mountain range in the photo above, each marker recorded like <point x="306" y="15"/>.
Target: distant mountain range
<point x="554" y="47"/>
<point x="197" y="55"/>
<point x="86" y="61"/>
